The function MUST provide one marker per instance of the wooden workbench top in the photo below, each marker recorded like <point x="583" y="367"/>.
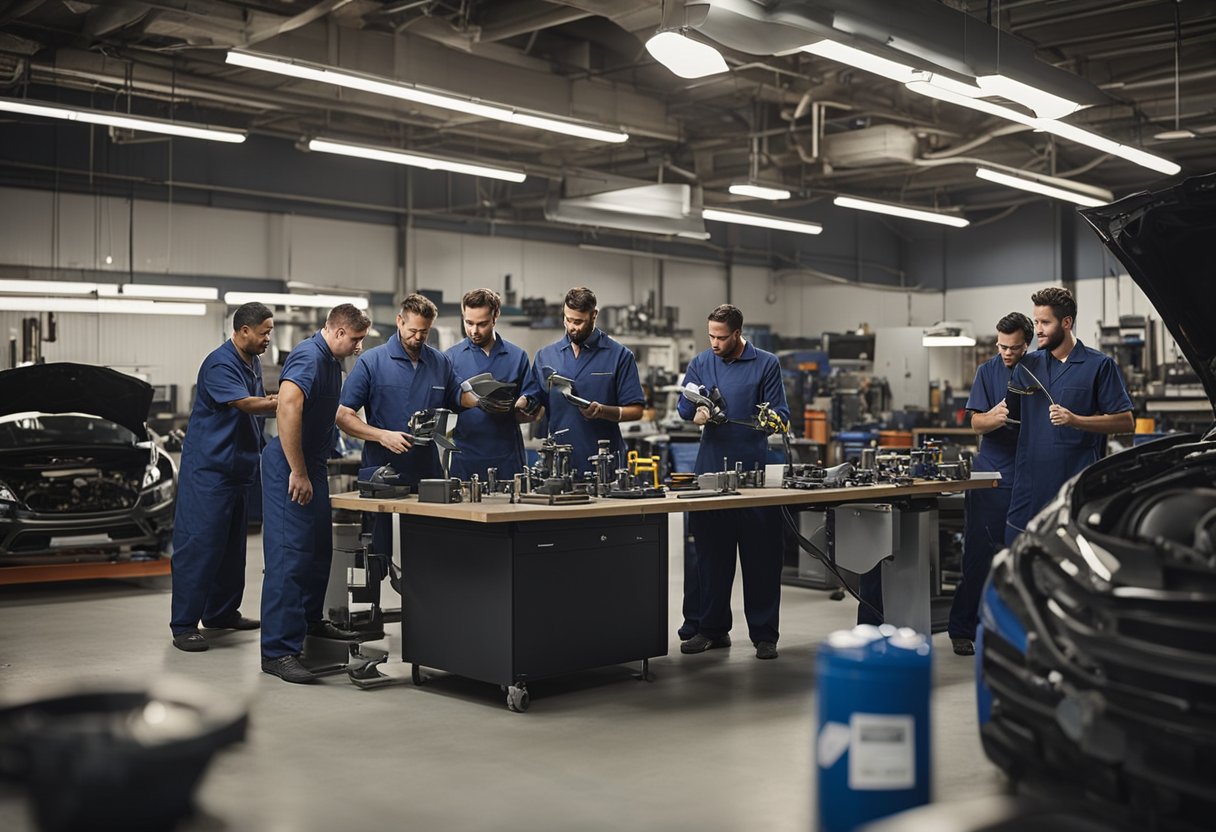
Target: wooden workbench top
<point x="496" y="509"/>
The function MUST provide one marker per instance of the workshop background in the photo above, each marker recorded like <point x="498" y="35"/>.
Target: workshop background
<point x="845" y="298"/>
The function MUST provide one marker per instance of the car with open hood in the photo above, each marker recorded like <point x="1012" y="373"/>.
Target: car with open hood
<point x="1097" y="651"/>
<point x="80" y="477"/>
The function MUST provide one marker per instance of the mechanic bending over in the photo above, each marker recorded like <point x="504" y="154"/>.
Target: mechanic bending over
<point x="743" y="377"/>
<point x="488" y="435"/>
<point x="296" y="525"/>
<point x="985" y="510"/>
<point x="219" y="463"/>
<point x="604" y="372"/>
<point x="1072" y="396"/>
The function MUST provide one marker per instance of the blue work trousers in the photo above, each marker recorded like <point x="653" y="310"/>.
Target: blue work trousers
<point x="208" y="551"/>
<point x="755" y="535"/>
<point x="298" y="545"/>
<point x="986" y="510"/>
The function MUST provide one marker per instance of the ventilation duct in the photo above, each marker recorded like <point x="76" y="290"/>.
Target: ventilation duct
<point x="672" y="209"/>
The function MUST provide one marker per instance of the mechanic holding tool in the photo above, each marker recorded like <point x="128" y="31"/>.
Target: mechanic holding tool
<point x="219" y="464"/>
<point x="1072" y="396"/>
<point x="390" y="383"/>
<point x="605" y="375"/>
<point x="740" y="377"/>
<point x="488" y="435"/>
<point x="985" y="510"/>
<point x="296" y="523"/>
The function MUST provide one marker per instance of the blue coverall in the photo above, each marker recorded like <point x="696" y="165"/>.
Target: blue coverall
<point x="755" y="533"/>
<point x="219" y="463"/>
<point x="297" y="540"/>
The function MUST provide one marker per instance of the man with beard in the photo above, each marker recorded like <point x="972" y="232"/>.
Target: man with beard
<point x="297" y="526"/>
<point x="985" y="510"/>
<point x="604" y="373"/>
<point x="1073" y="397"/>
<point x="219" y="464"/>
<point x="390" y="383"/>
<point x="744" y="377"/>
<point x="487" y="435"/>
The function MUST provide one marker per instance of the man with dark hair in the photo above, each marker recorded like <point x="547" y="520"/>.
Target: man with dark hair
<point x="390" y="383"/>
<point x="986" y="510"/>
<point x="296" y="525"/>
<point x="1073" y="397"/>
<point x="219" y="464"/>
<point x="604" y="373"/>
<point x="488" y="434"/>
<point x="742" y="377"/>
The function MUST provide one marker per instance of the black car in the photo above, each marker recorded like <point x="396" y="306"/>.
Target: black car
<point x="80" y="479"/>
<point x="1098" y="646"/>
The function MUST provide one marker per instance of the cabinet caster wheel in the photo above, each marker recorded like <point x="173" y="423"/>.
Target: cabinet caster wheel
<point x="518" y="698"/>
<point x="837" y="595"/>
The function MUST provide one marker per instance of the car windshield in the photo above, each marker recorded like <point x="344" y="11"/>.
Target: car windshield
<point x="25" y="430"/>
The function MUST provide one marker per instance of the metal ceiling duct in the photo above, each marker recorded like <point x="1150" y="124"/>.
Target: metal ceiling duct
<point x="672" y="209"/>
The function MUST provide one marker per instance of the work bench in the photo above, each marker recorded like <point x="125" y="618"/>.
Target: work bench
<point x="508" y="593"/>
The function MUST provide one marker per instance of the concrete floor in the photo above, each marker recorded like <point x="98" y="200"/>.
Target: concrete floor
<point x="718" y="741"/>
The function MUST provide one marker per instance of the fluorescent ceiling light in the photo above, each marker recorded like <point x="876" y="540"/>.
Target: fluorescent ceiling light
<point x="684" y="56"/>
<point x="424" y="95"/>
<point x="1174" y="135"/>
<point x="947" y="341"/>
<point x="1054" y="191"/>
<point x="108" y="119"/>
<point x="45" y="287"/>
<point x="949" y="94"/>
<point x="417" y="160"/>
<point x="761" y="221"/>
<point x="759" y="191"/>
<point x="158" y="292"/>
<point x="841" y="53"/>
<point x="901" y="211"/>
<point x="1044" y="104"/>
<point x="315" y="301"/>
<point x="118" y="306"/>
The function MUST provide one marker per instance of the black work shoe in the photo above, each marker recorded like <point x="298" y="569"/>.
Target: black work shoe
<point x="289" y="669"/>
<point x="191" y="642"/>
<point x="239" y="622"/>
<point x="326" y="629"/>
<point x="701" y="642"/>
<point x="962" y="646"/>
<point x="766" y="650"/>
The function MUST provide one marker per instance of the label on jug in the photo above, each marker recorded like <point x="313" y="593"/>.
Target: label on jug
<point x="882" y="752"/>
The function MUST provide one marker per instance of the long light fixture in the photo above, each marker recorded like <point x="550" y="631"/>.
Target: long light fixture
<point x="845" y="54"/>
<point x="417" y="160"/>
<point x="761" y="221"/>
<point x="148" y="125"/>
<point x="901" y="211"/>
<point x="947" y="341"/>
<point x="118" y="306"/>
<point x="1043" y="103"/>
<point x="424" y="95"/>
<point x="311" y="301"/>
<point x="46" y="287"/>
<point x="759" y="191"/>
<point x="1039" y="187"/>
<point x="684" y="56"/>
<point x="154" y="291"/>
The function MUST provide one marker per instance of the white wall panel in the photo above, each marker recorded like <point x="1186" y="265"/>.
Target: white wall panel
<point x="338" y="253"/>
<point x="26" y="220"/>
<point x="695" y="289"/>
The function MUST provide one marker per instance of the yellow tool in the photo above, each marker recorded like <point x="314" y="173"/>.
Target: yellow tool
<point x="643" y="465"/>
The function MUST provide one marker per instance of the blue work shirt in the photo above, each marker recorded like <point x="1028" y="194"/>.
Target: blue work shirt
<point x="311" y="366"/>
<point x="997" y="447"/>
<point x="491" y="440"/>
<point x="1088" y="384"/>
<point x="604" y="371"/>
<point x="390" y="389"/>
<point x="751" y="379"/>
<point x="220" y="437"/>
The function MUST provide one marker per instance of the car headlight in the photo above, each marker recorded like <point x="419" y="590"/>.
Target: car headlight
<point x="151" y="476"/>
<point x="6" y="494"/>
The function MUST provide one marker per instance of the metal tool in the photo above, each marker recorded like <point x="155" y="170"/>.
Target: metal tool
<point x="565" y="387"/>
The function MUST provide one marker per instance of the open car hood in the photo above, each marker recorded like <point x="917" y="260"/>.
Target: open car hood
<point x="1166" y="240"/>
<point x="77" y="388"/>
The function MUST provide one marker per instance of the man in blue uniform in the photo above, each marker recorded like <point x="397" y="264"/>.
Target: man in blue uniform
<point x="296" y="525"/>
<point x="219" y="463"/>
<point x="390" y="383"/>
<point x="1075" y="398"/>
<point x="985" y="510"/>
<point x="604" y="373"/>
<point x="488" y="435"/>
<point x="744" y="377"/>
